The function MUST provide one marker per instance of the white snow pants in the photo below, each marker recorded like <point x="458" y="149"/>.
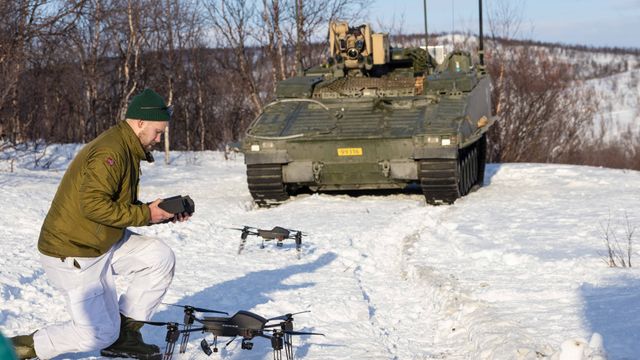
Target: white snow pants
<point x="88" y="287"/>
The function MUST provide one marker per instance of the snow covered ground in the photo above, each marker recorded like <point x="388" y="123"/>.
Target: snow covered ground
<point x="515" y="270"/>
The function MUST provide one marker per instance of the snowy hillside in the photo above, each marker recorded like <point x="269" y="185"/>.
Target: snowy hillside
<point x="613" y="75"/>
<point x="513" y="271"/>
<point x="620" y="104"/>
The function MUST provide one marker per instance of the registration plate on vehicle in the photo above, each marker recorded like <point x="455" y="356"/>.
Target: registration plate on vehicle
<point x="349" y="151"/>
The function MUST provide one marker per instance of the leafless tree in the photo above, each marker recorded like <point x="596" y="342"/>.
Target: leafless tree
<point x="311" y="19"/>
<point x="88" y="41"/>
<point x="395" y="28"/>
<point x="544" y="112"/>
<point x="505" y="19"/>
<point x="271" y="22"/>
<point x="23" y="25"/>
<point x="129" y="45"/>
<point x="218" y="62"/>
<point x="232" y="21"/>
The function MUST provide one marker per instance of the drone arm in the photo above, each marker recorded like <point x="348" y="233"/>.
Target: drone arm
<point x="303" y="333"/>
<point x="264" y="336"/>
<point x="192" y="330"/>
<point x="273" y="326"/>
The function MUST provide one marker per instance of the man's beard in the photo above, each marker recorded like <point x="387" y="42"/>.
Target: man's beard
<point x="146" y="147"/>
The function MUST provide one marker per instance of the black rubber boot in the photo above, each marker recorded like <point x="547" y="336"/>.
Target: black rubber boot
<point x="23" y="346"/>
<point x="130" y="343"/>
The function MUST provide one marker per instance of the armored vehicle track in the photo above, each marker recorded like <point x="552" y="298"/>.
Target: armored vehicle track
<point x="265" y="184"/>
<point x="445" y="180"/>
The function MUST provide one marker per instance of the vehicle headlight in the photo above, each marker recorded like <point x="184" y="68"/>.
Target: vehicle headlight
<point x="433" y="139"/>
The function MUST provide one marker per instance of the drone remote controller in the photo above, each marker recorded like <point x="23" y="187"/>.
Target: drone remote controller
<point x="178" y="205"/>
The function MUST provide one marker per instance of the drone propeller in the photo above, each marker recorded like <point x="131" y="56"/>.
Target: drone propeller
<point x="288" y="316"/>
<point x="244" y="227"/>
<point x="158" y="323"/>
<point x="248" y="229"/>
<point x="276" y="231"/>
<point x="198" y="309"/>
<point x="302" y="333"/>
<point x="171" y="326"/>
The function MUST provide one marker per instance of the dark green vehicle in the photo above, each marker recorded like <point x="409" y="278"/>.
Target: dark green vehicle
<point x="373" y="117"/>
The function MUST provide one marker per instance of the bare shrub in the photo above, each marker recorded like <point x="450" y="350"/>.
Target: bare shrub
<point x="618" y="253"/>
<point x="542" y="113"/>
<point x="621" y="153"/>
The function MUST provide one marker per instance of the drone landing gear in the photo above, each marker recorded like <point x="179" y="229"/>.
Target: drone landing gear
<point x="243" y="240"/>
<point x="298" y="239"/>
<point x="173" y="334"/>
<point x="282" y="341"/>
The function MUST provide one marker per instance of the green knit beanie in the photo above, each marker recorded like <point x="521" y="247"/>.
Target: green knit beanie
<point x="150" y="106"/>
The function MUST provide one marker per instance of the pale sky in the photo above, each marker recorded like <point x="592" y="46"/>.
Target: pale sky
<point x="583" y="22"/>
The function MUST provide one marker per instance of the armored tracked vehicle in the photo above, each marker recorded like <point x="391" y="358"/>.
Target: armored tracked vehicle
<point x="373" y="117"/>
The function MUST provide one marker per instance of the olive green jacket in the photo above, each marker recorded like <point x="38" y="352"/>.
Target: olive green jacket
<point x="97" y="197"/>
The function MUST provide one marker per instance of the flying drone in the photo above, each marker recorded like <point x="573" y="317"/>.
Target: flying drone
<point x="277" y="233"/>
<point x="243" y="324"/>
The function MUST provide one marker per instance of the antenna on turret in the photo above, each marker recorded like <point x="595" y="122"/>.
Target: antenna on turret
<point x="429" y="59"/>
<point x="426" y="31"/>
<point x="481" y="49"/>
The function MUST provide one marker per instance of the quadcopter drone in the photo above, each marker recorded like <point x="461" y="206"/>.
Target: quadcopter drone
<point x="243" y="324"/>
<point x="277" y="233"/>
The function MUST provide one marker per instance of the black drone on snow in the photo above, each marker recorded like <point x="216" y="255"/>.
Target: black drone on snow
<point x="277" y="233"/>
<point x="243" y="324"/>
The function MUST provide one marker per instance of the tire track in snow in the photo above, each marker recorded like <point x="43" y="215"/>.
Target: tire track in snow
<point x="466" y="327"/>
<point x="387" y="291"/>
<point x="383" y="334"/>
<point x="448" y="323"/>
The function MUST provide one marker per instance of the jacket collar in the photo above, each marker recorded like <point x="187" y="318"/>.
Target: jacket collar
<point x="132" y="141"/>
